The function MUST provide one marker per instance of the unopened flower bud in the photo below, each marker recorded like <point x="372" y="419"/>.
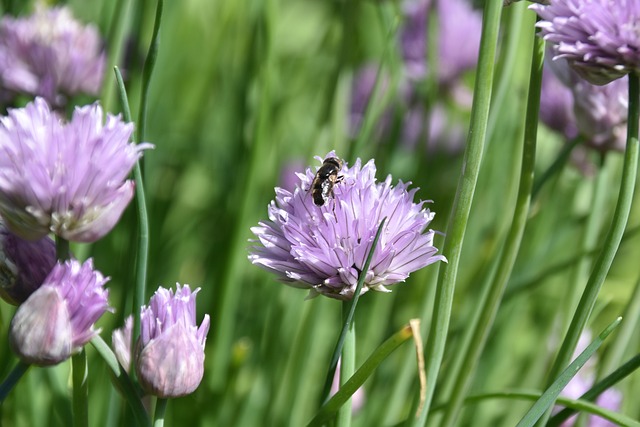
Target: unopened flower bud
<point x="41" y="329"/>
<point x="170" y="350"/>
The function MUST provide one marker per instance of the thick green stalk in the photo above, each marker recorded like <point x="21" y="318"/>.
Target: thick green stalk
<point x="63" y="253"/>
<point x="80" y="383"/>
<point x="124" y="384"/>
<point x="158" y="417"/>
<point x="462" y="203"/>
<point x="328" y="410"/>
<point x="479" y="331"/>
<point x="589" y="242"/>
<point x="611" y="242"/>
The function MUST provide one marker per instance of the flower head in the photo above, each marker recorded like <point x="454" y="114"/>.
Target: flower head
<point x="170" y="351"/>
<point x="599" y="38"/>
<point x="23" y="265"/>
<point x="49" y="54"/>
<point x="601" y="114"/>
<point x="65" y="178"/>
<point x="324" y="248"/>
<point x="58" y="318"/>
<point x="573" y="106"/>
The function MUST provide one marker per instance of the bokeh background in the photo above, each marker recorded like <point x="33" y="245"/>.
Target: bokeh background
<point x="245" y="93"/>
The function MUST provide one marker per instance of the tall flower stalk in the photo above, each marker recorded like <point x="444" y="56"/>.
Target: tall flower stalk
<point x="492" y="295"/>
<point x="438" y="331"/>
<point x="599" y="42"/>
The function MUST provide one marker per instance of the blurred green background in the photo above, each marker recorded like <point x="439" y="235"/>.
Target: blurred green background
<point x="243" y="89"/>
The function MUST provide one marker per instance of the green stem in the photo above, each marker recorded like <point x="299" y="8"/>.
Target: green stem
<point x="545" y="403"/>
<point x="143" y="219"/>
<point x="479" y="331"/>
<point x="158" y="417"/>
<point x="347" y="367"/>
<point x="612" y="240"/>
<point x="147" y="70"/>
<point x="12" y="379"/>
<point x="577" y="405"/>
<point x="122" y="380"/>
<point x="462" y="203"/>
<point x="349" y="317"/>
<point x="63" y="253"/>
<point x="556" y="166"/>
<point x="360" y="376"/>
<point x="229" y="293"/>
<point x="589" y="242"/>
<point x="598" y="388"/>
<point x="623" y="339"/>
<point x="80" y="389"/>
<point x="114" y="47"/>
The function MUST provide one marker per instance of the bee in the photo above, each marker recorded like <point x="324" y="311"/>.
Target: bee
<point x="325" y="179"/>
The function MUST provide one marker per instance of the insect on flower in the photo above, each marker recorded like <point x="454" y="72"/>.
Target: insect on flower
<point x="325" y="179"/>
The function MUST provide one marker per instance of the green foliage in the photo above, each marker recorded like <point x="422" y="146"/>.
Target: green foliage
<point x="244" y="88"/>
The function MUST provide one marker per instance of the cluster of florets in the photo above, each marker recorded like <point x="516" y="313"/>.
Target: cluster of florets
<point x="324" y="248"/>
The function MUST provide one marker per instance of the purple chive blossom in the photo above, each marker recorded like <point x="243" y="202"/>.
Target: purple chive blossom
<point x="556" y="105"/>
<point x="65" y="178"/>
<point x="50" y="54"/>
<point x="601" y="114"/>
<point x="23" y="265"/>
<point x="597" y="113"/>
<point x="170" y="351"/>
<point x="459" y="29"/>
<point x="459" y="38"/>
<point x="413" y="37"/>
<point x="599" y="38"/>
<point x="324" y="248"/>
<point x="58" y="318"/>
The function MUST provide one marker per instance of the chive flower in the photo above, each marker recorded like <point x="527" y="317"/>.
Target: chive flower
<point x="169" y="356"/>
<point x="65" y="178"/>
<point x="50" y="54"/>
<point x="324" y="248"/>
<point x="58" y="319"/>
<point x="599" y="38"/>
<point x="23" y="265"/>
<point x="575" y="107"/>
<point x="459" y="29"/>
